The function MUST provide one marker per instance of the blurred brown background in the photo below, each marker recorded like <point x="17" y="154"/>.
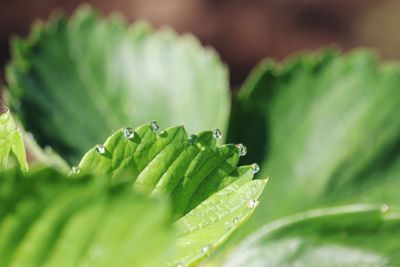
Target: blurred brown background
<point x="244" y="31"/>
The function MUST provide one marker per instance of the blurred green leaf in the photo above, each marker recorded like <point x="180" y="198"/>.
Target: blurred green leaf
<point x="348" y="236"/>
<point x="211" y="197"/>
<point x="73" y="82"/>
<point x="49" y="220"/>
<point x="46" y="156"/>
<point x="326" y="129"/>
<point x="10" y="141"/>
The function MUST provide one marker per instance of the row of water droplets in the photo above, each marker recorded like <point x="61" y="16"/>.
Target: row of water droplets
<point x="129" y="134"/>
<point x="241" y="148"/>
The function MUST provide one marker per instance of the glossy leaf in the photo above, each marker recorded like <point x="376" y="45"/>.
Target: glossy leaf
<point x="211" y="197"/>
<point x="208" y="225"/>
<point x="349" y="236"/>
<point x="11" y="142"/>
<point x="49" y="220"/>
<point x="75" y="81"/>
<point x="326" y="129"/>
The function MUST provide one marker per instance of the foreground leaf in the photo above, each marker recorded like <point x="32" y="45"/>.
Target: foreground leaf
<point x="325" y="127"/>
<point x="73" y="82"/>
<point x="49" y="220"/>
<point x="10" y="141"/>
<point x="207" y="226"/>
<point x="210" y="196"/>
<point x="349" y="236"/>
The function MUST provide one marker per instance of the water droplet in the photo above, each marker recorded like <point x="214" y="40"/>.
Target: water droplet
<point x="252" y="203"/>
<point x="181" y="264"/>
<point x="193" y="139"/>
<point x="76" y="170"/>
<point x="242" y="149"/>
<point x="101" y="149"/>
<point x="163" y="133"/>
<point x="232" y="224"/>
<point x="154" y="125"/>
<point x="384" y="208"/>
<point x="129" y="133"/>
<point x="205" y="249"/>
<point x="255" y="168"/>
<point x="217" y="133"/>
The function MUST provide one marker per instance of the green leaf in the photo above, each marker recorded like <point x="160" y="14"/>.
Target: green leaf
<point x="347" y="236"/>
<point x="75" y="81"/>
<point x="49" y="220"/>
<point x="326" y="129"/>
<point x="210" y="196"/>
<point x="207" y="226"/>
<point x="10" y="141"/>
<point x="44" y="156"/>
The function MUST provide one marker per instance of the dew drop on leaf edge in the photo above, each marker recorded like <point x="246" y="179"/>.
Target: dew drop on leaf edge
<point x="216" y="133"/>
<point x="155" y="126"/>
<point x="253" y="203"/>
<point x="205" y="249"/>
<point x="129" y="133"/>
<point x="193" y="139"/>
<point x="101" y="149"/>
<point x="242" y="149"/>
<point x="255" y="167"/>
